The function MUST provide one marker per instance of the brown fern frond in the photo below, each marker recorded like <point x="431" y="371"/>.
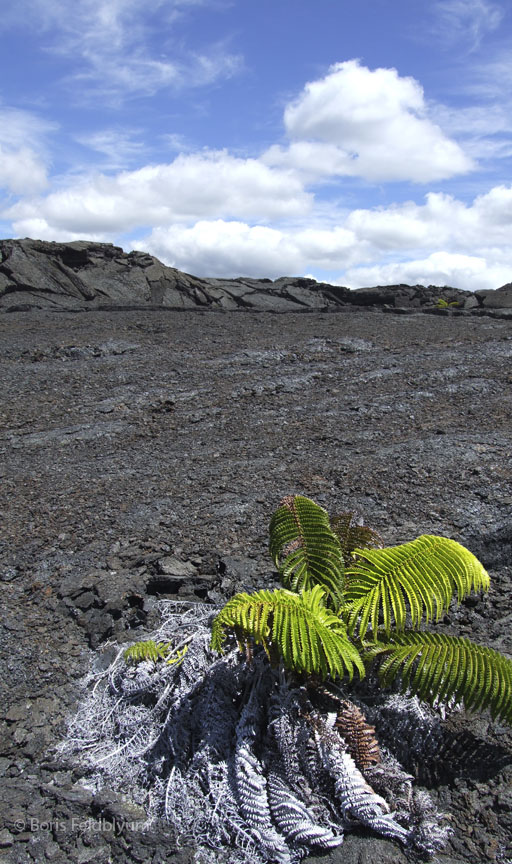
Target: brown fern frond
<point x="353" y="536"/>
<point x="358" y="735"/>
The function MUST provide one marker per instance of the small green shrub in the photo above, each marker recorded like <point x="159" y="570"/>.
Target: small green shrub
<point x="441" y="303"/>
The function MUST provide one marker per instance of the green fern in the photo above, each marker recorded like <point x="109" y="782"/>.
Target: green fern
<point x="441" y="668"/>
<point x="298" y="628"/>
<point x="441" y="303"/>
<point x="150" y="650"/>
<point x="415" y="580"/>
<point x="305" y="550"/>
<point x="332" y="621"/>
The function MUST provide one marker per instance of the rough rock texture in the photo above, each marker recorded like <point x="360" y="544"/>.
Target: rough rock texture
<point x="500" y="299"/>
<point x="142" y="455"/>
<point x="84" y="275"/>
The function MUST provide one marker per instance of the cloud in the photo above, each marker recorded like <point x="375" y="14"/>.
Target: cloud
<point x="468" y="272"/>
<point x="39" y="228"/>
<point x="465" y="22"/>
<point x="123" y="48"/>
<point x="485" y="130"/>
<point x="222" y="249"/>
<point x="208" y="184"/>
<point x="370" y="124"/>
<point x="312" y="161"/>
<point x="211" y="212"/>
<point x="23" y="161"/>
<point x="494" y="210"/>
<point x="21" y="171"/>
<point x="471" y="244"/>
<point x="442" y="221"/>
<point x="443" y="241"/>
<point x="118" y="147"/>
<point x="115" y="77"/>
<point x="490" y="81"/>
<point x="330" y="248"/>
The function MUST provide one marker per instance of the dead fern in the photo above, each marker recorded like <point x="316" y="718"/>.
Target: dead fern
<point x="358" y="735"/>
<point x="353" y="536"/>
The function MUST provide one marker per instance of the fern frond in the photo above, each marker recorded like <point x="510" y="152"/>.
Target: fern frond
<point x="353" y="536"/>
<point x="150" y="650"/>
<point x="307" y="635"/>
<point x="417" y="579"/>
<point x="358" y="735"/>
<point x="305" y="550"/>
<point x="438" y="668"/>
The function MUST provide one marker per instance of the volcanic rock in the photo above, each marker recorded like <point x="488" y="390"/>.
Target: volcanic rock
<point x="36" y="274"/>
<point x="499" y="299"/>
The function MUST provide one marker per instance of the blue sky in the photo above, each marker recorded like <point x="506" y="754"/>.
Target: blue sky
<point x="361" y="142"/>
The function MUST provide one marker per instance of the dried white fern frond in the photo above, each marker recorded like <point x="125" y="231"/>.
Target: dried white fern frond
<point x="251" y="782"/>
<point x="235" y="757"/>
<point x="295" y="820"/>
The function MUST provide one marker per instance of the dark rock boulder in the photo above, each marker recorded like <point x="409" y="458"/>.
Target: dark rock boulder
<point x="499" y="299"/>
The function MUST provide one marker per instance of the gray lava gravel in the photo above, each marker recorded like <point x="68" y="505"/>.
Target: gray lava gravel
<point x="142" y="455"/>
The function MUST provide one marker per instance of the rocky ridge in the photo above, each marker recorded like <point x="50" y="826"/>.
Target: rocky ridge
<point x="35" y="274"/>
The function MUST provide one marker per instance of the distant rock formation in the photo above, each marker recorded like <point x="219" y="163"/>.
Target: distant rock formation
<point x="499" y="299"/>
<point x="36" y="274"/>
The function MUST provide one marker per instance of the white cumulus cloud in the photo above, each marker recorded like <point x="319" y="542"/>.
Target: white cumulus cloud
<point x="214" y="213"/>
<point x="206" y="184"/>
<point x="367" y="123"/>
<point x="466" y="246"/>
<point x="223" y="249"/>
<point x="226" y="248"/>
<point x="440" y="241"/>
<point x="21" y="171"/>
<point x="441" y="221"/>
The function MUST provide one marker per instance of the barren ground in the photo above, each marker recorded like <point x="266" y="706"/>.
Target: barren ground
<point x="134" y="443"/>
